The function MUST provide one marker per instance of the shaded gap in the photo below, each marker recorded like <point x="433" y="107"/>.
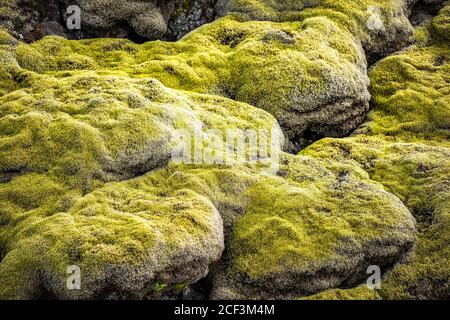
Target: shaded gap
<point x="422" y="13"/>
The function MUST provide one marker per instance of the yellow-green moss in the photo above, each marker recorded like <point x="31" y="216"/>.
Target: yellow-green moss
<point x="441" y="25"/>
<point x="377" y="23"/>
<point x="298" y="233"/>
<point x="279" y="67"/>
<point x="133" y="226"/>
<point x="77" y="115"/>
<point x="406" y="149"/>
<point x="359" y="293"/>
<point x="410" y="90"/>
<point x="309" y="59"/>
<point x="418" y="174"/>
<point x="411" y="94"/>
<point x="62" y="140"/>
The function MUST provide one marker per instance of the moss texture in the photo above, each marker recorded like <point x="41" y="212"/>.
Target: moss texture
<point x="239" y="60"/>
<point x="358" y="293"/>
<point x="297" y="69"/>
<point x="382" y="26"/>
<point x="317" y="228"/>
<point x="85" y="130"/>
<point x="405" y="147"/>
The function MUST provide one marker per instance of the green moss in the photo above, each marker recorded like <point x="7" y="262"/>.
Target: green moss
<point x="180" y="287"/>
<point x="411" y="92"/>
<point x="279" y="67"/>
<point x="302" y="224"/>
<point x="418" y="174"/>
<point x="6" y="38"/>
<point x="347" y="14"/>
<point x="405" y="147"/>
<point x="158" y="287"/>
<point x="228" y="58"/>
<point x="359" y="293"/>
<point x="441" y="24"/>
<point x="128" y="225"/>
<point x="64" y="138"/>
<point x="79" y="119"/>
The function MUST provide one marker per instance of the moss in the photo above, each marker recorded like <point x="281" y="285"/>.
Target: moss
<point x="359" y="293"/>
<point x="180" y="287"/>
<point x="6" y="38"/>
<point x="63" y="140"/>
<point x="118" y="125"/>
<point x="84" y="126"/>
<point x="441" y="24"/>
<point x="126" y="225"/>
<point x="301" y="225"/>
<point x="377" y="23"/>
<point x="159" y="287"/>
<point x="226" y="58"/>
<point x="417" y="173"/>
<point x="405" y="148"/>
<point x="411" y="94"/>
<point x="235" y="59"/>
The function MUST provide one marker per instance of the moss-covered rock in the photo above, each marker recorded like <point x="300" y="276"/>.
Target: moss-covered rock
<point x="441" y="24"/>
<point x="382" y="26"/>
<point x="321" y="86"/>
<point x="85" y="178"/>
<point x="359" y="293"/>
<point x="319" y="227"/>
<point x="406" y="148"/>
<point x="125" y="238"/>
<point x="411" y="94"/>
<point x="64" y="138"/>
<point x="418" y="174"/>
<point x="308" y="69"/>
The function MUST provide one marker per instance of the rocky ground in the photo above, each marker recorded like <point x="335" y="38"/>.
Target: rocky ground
<point x="355" y="93"/>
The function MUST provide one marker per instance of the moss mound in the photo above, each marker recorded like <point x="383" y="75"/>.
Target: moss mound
<point x="382" y="26"/>
<point x="238" y="60"/>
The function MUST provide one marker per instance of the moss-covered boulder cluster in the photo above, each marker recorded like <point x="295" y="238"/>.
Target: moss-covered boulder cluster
<point x="87" y="176"/>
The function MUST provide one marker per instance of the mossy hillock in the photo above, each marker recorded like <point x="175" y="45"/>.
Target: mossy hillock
<point x="87" y="177"/>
